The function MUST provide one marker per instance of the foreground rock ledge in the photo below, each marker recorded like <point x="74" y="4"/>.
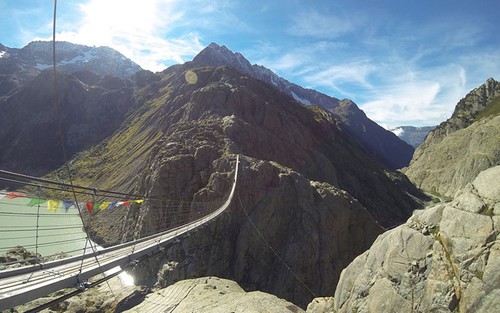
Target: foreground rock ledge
<point x="212" y="294"/>
<point x="444" y="259"/>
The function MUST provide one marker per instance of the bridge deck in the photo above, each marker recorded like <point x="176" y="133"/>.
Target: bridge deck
<point x="20" y="285"/>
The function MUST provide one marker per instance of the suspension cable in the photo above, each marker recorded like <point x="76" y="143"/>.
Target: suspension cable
<point x="63" y="146"/>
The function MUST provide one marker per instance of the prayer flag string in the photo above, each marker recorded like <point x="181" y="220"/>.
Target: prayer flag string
<point x="54" y="204"/>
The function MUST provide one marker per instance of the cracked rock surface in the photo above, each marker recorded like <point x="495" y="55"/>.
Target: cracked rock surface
<point x="443" y="259"/>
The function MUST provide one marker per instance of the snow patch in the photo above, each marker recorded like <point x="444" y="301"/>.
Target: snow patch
<point x="398" y="131"/>
<point x="89" y="55"/>
<point x="301" y="100"/>
<point x="3" y="54"/>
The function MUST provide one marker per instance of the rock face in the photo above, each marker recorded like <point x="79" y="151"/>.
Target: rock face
<point x="382" y="144"/>
<point x="458" y="149"/>
<point x="314" y="195"/>
<point x="444" y="259"/>
<point x="212" y="294"/>
<point x="309" y="225"/>
<point x="450" y="164"/>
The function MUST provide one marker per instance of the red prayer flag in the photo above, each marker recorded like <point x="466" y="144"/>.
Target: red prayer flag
<point x="90" y="206"/>
<point x="13" y="195"/>
<point x="126" y="203"/>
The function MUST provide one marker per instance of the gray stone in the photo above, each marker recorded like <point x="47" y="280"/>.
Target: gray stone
<point x="383" y="290"/>
<point x="468" y="201"/>
<point x="430" y="216"/>
<point x="487" y="183"/>
<point x="496" y="208"/>
<point x="321" y="305"/>
<point x="492" y="269"/>
<point x="466" y="230"/>
<point x="212" y="295"/>
<point x="490" y="302"/>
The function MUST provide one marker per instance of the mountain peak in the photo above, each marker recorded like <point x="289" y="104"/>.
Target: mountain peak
<point x="216" y="55"/>
<point x="357" y="123"/>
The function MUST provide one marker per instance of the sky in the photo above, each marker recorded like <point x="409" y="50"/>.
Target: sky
<point x="403" y="62"/>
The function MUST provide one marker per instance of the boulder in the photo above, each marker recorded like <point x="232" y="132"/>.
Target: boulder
<point x="212" y="294"/>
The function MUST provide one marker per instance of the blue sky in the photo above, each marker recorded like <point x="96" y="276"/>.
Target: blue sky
<point x="403" y="62"/>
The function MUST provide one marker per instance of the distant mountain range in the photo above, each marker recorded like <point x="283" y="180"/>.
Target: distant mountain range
<point x="19" y="66"/>
<point x="411" y="134"/>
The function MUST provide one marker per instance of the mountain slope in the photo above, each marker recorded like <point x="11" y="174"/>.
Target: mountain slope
<point x="309" y="188"/>
<point x="92" y="108"/>
<point x="461" y="147"/>
<point x="96" y="87"/>
<point x="383" y="144"/>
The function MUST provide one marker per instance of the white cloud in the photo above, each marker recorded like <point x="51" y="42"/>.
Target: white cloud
<point x="315" y="24"/>
<point x="138" y="29"/>
<point x="398" y="131"/>
<point x="424" y="96"/>
<point x="413" y="101"/>
<point x="334" y="76"/>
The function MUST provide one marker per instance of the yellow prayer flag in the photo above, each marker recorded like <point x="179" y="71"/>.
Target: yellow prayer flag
<point x="104" y="205"/>
<point x="139" y="201"/>
<point x="52" y="205"/>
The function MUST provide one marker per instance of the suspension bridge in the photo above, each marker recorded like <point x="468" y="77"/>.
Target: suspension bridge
<point x="23" y="284"/>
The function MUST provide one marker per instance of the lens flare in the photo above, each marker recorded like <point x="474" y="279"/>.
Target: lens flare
<point x="191" y="77"/>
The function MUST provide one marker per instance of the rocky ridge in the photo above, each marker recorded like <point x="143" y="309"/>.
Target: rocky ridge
<point x="381" y="143"/>
<point x="444" y="259"/>
<point x="458" y="149"/>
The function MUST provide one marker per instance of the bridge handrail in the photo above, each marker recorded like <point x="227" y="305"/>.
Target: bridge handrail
<point x="50" y="264"/>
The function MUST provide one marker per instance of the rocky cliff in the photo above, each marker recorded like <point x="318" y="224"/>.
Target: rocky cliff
<point x="444" y="259"/>
<point x="458" y="149"/>
<point x="312" y="192"/>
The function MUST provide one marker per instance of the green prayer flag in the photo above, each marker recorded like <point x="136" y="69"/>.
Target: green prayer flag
<point x="36" y="201"/>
